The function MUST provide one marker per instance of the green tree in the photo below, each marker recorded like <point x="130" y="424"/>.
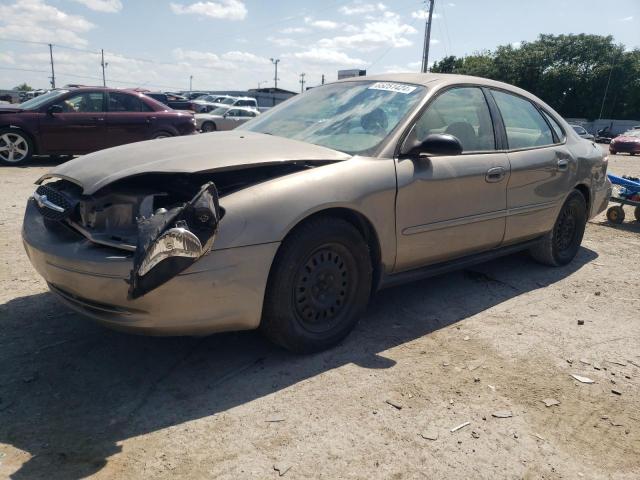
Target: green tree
<point x="569" y="72"/>
<point x="23" y="88"/>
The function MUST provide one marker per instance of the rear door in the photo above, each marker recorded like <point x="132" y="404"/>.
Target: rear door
<point x="541" y="167"/>
<point x="451" y="206"/>
<point x="232" y="119"/>
<point x="79" y="128"/>
<point x="128" y="119"/>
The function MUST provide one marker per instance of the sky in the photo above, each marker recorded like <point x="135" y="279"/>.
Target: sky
<point x="229" y="44"/>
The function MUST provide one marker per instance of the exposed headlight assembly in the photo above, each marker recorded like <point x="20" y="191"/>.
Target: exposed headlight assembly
<point x="172" y="240"/>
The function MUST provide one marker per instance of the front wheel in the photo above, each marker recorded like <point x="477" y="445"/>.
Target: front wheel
<point x="159" y="135"/>
<point x="615" y="214"/>
<point x="15" y="147"/>
<point x="319" y="286"/>
<point x="208" y="127"/>
<point x="560" y="245"/>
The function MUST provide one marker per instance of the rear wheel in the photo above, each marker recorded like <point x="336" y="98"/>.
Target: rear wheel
<point x="319" y="286"/>
<point x="15" y="146"/>
<point x="158" y="135"/>
<point x="560" y="245"/>
<point x="615" y="214"/>
<point x="208" y="127"/>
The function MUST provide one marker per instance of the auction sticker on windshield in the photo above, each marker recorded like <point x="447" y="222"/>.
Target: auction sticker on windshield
<point x="392" y="87"/>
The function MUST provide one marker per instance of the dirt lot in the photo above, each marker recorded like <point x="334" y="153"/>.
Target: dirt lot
<point x="77" y="400"/>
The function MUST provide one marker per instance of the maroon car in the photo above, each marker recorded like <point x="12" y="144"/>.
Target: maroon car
<point x="628" y="142"/>
<point x="81" y="120"/>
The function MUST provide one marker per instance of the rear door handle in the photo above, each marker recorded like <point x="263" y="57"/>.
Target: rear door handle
<point x="563" y="165"/>
<point x="494" y="175"/>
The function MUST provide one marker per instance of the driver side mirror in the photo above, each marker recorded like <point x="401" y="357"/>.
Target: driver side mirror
<point x="436" y="144"/>
<point x="53" y="109"/>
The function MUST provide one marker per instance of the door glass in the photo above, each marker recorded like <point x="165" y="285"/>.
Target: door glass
<point x="233" y="113"/>
<point x="84" y="103"/>
<point x="556" y="127"/>
<point x="123" y="102"/>
<point x="525" y="126"/>
<point x="463" y="113"/>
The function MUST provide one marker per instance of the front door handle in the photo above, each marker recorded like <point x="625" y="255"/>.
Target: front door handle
<point x="563" y="165"/>
<point x="494" y="175"/>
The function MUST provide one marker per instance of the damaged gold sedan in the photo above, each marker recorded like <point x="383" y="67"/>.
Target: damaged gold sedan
<point x="292" y="221"/>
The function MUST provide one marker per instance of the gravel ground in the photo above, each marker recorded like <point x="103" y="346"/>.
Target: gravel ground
<point x="79" y="401"/>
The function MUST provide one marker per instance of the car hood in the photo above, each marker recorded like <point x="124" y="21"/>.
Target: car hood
<point x="626" y="138"/>
<point x="189" y="154"/>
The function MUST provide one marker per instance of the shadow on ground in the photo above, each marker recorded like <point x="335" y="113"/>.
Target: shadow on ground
<point x="72" y="390"/>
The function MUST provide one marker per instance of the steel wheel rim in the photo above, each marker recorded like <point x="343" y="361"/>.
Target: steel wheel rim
<point x="13" y="147"/>
<point x="566" y="228"/>
<point x="322" y="288"/>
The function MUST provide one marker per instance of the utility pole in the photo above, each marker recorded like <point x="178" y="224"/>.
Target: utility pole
<point x="302" y="75"/>
<point x="322" y="79"/>
<point x="104" y="78"/>
<point x="427" y="38"/>
<point x="190" y="83"/>
<point x="606" y="89"/>
<point x="275" y="61"/>
<point x="53" y="74"/>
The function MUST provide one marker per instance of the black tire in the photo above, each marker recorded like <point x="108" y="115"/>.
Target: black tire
<point x="615" y="214"/>
<point x="16" y="147"/>
<point x="319" y="286"/>
<point x="208" y="127"/>
<point x="636" y="213"/>
<point x="560" y="245"/>
<point x="159" y="135"/>
<point x="612" y="152"/>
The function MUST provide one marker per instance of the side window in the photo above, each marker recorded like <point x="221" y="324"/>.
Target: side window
<point x="525" y="126"/>
<point x="234" y="113"/>
<point x="84" y="103"/>
<point x="556" y="127"/>
<point x="123" y="102"/>
<point x="463" y="113"/>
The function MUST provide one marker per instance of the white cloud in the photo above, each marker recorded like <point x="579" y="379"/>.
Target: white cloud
<point x="35" y="20"/>
<point x="283" y="42"/>
<point x="325" y="56"/>
<point x="107" y="6"/>
<point x="413" y="66"/>
<point x="516" y="44"/>
<point x="423" y="14"/>
<point x="244" y="57"/>
<point x="290" y="30"/>
<point x="358" y="8"/>
<point x="322" y="24"/>
<point x="388" y="30"/>
<point x="224" y="9"/>
<point x="626" y="19"/>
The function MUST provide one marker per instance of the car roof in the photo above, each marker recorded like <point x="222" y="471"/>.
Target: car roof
<point x="438" y="80"/>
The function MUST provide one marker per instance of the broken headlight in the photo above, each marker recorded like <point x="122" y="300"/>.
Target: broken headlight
<point x="172" y="240"/>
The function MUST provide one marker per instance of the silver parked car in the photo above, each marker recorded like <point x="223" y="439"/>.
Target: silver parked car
<point x="224" y="118"/>
<point x="582" y="132"/>
<point x="290" y="222"/>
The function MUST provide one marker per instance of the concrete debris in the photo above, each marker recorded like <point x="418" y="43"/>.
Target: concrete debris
<point x="596" y="366"/>
<point x="274" y="420"/>
<point x="429" y="434"/>
<point x="616" y="392"/>
<point x="475" y="434"/>
<point x="582" y="379"/>
<point x="466" y="338"/>
<point x="462" y="425"/>
<point x="281" y="469"/>
<point x="617" y="362"/>
<point x="502" y="414"/>
<point x="580" y="322"/>
<point x="550" y="402"/>
<point x="394" y="403"/>
<point x="586" y="362"/>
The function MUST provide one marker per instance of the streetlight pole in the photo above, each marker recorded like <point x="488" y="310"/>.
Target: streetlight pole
<point x="190" y="83"/>
<point x="275" y="62"/>
<point x="53" y="74"/>
<point x="427" y="38"/>
<point x="104" y="78"/>
<point x="302" y="75"/>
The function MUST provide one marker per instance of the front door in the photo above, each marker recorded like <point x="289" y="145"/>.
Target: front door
<point x="79" y="128"/>
<point x="128" y="119"/>
<point x="450" y="206"/>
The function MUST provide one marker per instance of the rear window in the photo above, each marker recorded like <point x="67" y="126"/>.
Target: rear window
<point x="523" y="122"/>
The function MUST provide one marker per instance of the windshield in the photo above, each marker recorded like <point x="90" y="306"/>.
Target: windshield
<point x="219" y="111"/>
<point x="226" y="101"/>
<point x="37" y="102"/>
<point x="351" y="117"/>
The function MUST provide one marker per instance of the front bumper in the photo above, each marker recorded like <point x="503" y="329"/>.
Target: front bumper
<point x="626" y="147"/>
<point x="601" y="197"/>
<point x="222" y="291"/>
